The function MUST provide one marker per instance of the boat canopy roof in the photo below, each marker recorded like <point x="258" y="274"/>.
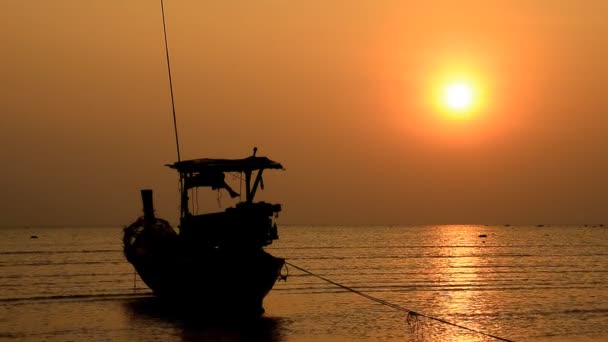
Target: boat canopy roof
<point x="225" y="165"/>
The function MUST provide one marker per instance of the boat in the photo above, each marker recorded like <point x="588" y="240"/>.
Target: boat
<point x="216" y="263"/>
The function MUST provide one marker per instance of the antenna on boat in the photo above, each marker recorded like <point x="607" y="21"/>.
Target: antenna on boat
<point x="162" y="8"/>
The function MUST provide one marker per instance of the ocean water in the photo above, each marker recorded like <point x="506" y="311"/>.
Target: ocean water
<point x="519" y="283"/>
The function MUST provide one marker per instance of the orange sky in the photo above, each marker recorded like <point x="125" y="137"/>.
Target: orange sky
<point x="338" y="91"/>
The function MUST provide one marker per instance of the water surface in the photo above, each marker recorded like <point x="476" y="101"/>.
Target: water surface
<point x="520" y="283"/>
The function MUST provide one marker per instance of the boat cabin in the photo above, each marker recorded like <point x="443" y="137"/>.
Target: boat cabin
<point x="248" y="223"/>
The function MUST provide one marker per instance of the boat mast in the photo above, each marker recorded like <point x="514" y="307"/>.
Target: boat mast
<point x="182" y="190"/>
<point x="162" y="8"/>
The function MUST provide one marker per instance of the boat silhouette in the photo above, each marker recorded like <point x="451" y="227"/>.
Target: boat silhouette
<point x="216" y="262"/>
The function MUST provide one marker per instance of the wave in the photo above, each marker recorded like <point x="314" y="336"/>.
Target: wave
<point x="63" y="252"/>
<point x="99" y="296"/>
<point x="51" y="263"/>
<point x="485" y="245"/>
<point x="398" y="289"/>
<point x="534" y="313"/>
<point x="430" y="256"/>
<point x="361" y="272"/>
<point x="63" y="275"/>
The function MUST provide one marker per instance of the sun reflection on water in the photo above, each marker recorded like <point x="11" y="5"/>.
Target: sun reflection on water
<point x="465" y="274"/>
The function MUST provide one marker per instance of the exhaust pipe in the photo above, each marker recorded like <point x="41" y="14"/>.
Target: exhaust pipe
<point x="148" y="202"/>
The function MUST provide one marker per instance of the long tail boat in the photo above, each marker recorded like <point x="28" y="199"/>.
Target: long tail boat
<point x="216" y="262"/>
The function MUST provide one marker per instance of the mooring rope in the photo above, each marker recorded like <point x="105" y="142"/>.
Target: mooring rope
<point x="395" y="306"/>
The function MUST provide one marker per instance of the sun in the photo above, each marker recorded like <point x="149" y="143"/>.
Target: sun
<point x="458" y="97"/>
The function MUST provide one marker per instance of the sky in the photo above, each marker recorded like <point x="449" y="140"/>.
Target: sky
<point x="342" y="93"/>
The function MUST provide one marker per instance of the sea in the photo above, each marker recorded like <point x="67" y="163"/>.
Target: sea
<point x="344" y="283"/>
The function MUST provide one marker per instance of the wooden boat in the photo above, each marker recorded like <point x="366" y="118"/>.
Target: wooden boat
<point x="216" y="263"/>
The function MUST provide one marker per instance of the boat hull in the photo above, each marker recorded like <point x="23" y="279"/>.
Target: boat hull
<point x="208" y="280"/>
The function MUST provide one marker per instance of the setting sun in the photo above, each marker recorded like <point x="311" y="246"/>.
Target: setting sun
<point x="458" y="91"/>
<point x="458" y="96"/>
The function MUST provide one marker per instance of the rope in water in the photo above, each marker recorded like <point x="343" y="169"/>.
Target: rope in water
<point x="395" y="306"/>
